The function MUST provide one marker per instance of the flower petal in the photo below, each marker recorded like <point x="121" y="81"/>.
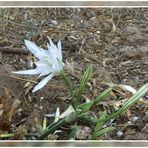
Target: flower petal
<point x="32" y="47"/>
<point x="27" y="72"/>
<point x="51" y="43"/>
<point x="42" y="82"/>
<point x="52" y="49"/>
<point x="59" y="51"/>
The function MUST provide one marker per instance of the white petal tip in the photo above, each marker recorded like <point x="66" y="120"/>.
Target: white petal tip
<point x="16" y="72"/>
<point x="27" y="41"/>
<point x="34" y="90"/>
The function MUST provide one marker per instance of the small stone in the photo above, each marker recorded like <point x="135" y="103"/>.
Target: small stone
<point x="119" y="133"/>
<point x="42" y="98"/>
<point x="98" y="32"/>
<point x="40" y="107"/>
<point x="135" y="118"/>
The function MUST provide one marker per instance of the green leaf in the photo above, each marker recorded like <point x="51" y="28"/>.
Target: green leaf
<point x="100" y="122"/>
<point x="86" y="106"/>
<point x="102" y="132"/>
<point x="73" y="133"/>
<point x="139" y="94"/>
<point x="84" y="81"/>
<point x="103" y="95"/>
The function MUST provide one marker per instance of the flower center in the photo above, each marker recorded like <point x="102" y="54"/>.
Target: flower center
<point x="46" y="59"/>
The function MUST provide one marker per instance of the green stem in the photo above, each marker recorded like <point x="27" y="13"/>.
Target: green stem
<point x="69" y="85"/>
<point x="6" y="135"/>
<point x="52" y="129"/>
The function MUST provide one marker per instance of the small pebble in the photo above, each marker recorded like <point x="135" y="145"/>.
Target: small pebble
<point x="40" y="107"/>
<point x="135" y="118"/>
<point x="42" y="98"/>
<point x="119" y="133"/>
<point x="98" y="32"/>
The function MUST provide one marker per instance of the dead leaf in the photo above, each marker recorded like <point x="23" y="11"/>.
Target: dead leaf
<point x="19" y="134"/>
<point x="14" y="107"/>
<point x="4" y="120"/>
<point x="83" y="132"/>
<point x="37" y="125"/>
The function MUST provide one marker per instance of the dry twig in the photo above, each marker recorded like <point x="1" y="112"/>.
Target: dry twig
<point x="13" y="50"/>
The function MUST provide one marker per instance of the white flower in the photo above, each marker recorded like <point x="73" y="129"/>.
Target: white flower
<point x="49" y="62"/>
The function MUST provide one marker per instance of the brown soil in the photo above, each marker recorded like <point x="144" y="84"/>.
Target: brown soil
<point x="113" y="40"/>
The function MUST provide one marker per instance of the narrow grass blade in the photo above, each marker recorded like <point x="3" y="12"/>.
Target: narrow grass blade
<point x="86" y="106"/>
<point x="103" y="95"/>
<point x="139" y="94"/>
<point x="102" y="132"/>
<point x="84" y="81"/>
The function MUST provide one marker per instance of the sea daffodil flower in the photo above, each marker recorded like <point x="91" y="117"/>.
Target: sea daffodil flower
<point x="49" y="62"/>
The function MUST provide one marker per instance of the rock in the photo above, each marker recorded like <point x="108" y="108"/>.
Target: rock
<point x="130" y="51"/>
<point x="83" y="132"/>
<point x="144" y="50"/>
<point x="132" y="33"/>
